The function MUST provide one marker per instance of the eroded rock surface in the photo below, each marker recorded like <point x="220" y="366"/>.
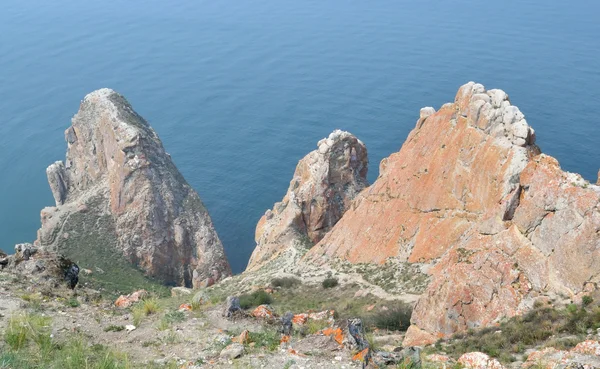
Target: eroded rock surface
<point x="324" y="184"/>
<point x="470" y="195"/>
<point x="119" y="192"/>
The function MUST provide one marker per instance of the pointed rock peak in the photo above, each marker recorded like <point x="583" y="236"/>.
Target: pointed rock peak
<point x="324" y="184"/>
<point x="135" y="201"/>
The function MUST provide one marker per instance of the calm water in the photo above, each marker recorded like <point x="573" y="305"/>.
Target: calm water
<point x="240" y="90"/>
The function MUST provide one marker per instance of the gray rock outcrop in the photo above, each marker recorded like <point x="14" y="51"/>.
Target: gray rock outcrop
<point x="119" y="192"/>
<point x="324" y="184"/>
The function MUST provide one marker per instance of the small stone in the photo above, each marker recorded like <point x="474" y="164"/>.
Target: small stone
<point x="180" y="291"/>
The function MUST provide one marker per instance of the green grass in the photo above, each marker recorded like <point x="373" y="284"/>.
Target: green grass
<point x="254" y="299"/>
<point x="92" y="244"/>
<point x="395" y="318"/>
<point x="27" y="328"/>
<point x="34" y="300"/>
<point x="29" y="345"/>
<point x="532" y="329"/>
<point x="268" y="339"/>
<point x="314" y="326"/>
<point x="72" y="302"/>
<point x="314" y="297"/>
<point x="330" y="283"/>
<point x="170" y="318"/>
<point x="144" y="308"/>
<point x="114" y="328"/>
<point x="285" y="282"/>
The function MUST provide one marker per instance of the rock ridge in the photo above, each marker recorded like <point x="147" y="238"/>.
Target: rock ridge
<point x="470" y="194"/>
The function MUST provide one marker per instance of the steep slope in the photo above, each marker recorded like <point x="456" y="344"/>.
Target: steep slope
<point x="470" y="194"/>
<point x="324" y="184"/>
<point x="119" y="192"/>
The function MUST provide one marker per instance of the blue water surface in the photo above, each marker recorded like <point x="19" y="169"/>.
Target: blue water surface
<point x="240" y="90"/>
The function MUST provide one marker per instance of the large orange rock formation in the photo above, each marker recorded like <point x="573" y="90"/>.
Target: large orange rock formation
<point x="118" y="192"/>
<point x="470" y="194"/>
<point x="324" y="184"/>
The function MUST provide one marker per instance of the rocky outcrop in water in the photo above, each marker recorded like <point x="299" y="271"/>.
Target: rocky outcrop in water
<point x="498" y="224"/>
<point x="118" y="192"/>
<point x="324" y="184"/>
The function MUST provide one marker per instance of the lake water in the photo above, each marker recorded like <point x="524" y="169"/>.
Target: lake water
<point x="240" y="90"/>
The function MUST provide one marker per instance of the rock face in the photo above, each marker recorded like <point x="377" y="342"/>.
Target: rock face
<point x="119" y="192"/>
<point x="324" y="184"/>
<point x="470" y="194"/>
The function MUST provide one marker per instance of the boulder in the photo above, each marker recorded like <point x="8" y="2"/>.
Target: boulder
<point x="72" y="276"/>
<point x="287" y="322"/>
<point x="409" y="357"/>
<point x="43" y="268"/>
<point x="185" y="307"/>
<point x="4" y="260"/>
<point x="263" y="311"/>
<point x="355" y="339"/>
<point x="336" y="333"/>
<point x="180" y="291"/>
<point x="233" y="351"/>
<point x="324" y="184"/>
<point x="120" y="191"/>
<point x="232" y="306"/>
<point x="243" y="338"/>
<point x="479" y="360"/>
<point x="585" y="355"/>
<point x="316" y="345"/>
<point x="200" y="298"/>
<point x="125" y="301"/>
<point x="24" y="251"/>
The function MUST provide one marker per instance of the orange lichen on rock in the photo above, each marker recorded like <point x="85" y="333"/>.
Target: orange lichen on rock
<point x="321" y="315"/>
<point x="300" y="319"/>
<point x="185" y="307"/>
<point x="588" y="347"/>
<point x="361" y="356"/>
<point x="470" y="195"/>
<point x="263" y="311"/>
<point x="294" y="352"/>
<point x="450" y="172"/>
<point x="243" y="338"/>
<point x="336" y="333"/>
<point x="479" y="360"/>
<point x="128" y="300"/>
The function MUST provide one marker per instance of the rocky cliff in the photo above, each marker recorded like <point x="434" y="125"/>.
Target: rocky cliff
<point x="324" y="184"/>
<point x="470" y="195"/>
<point x="119" y="192"/>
